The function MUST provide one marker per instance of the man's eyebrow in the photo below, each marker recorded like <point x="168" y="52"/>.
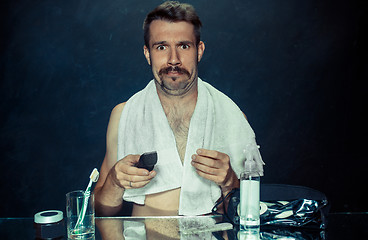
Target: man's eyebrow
<point x="179" y="43"/>
<point x="186" y="43"/>
<point x="158" y="43"/>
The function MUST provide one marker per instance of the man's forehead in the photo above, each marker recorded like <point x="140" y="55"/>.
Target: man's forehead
<point x="161" y="30"/>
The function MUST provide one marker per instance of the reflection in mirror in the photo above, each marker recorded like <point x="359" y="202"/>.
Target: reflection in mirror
<point x="159" y="228"/>
<point x="110" y="228"/>
<point x="252" y="234"/>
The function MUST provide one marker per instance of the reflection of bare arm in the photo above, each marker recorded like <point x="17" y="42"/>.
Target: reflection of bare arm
<point x="110" y="229"/>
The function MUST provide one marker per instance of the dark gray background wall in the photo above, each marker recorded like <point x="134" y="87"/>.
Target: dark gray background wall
<point x="295" y="67"/>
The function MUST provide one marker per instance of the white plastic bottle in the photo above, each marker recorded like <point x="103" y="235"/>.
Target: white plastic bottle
<point x="249" y="197"/>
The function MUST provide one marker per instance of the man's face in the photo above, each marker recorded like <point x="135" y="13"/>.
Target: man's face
<point x="174" y="56"/>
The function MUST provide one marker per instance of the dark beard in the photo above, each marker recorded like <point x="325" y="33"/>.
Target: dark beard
<point x="182" y="87"/>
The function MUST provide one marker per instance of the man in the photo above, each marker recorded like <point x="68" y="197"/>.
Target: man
<point x="167" y="112"/>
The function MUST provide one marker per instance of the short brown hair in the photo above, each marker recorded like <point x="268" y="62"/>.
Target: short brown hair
<point x="173" y="11"/>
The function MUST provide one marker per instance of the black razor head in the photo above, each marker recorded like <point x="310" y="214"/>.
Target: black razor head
<point x="147" y="160"/>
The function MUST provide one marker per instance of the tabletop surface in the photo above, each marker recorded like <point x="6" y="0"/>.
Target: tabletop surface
<point x="340" y="226"/>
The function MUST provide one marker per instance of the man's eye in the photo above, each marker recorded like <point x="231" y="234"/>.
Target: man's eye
<point x="161" y="47"/>
<point x="184" y="46"/>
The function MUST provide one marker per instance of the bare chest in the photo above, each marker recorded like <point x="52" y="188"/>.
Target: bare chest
<point x="180" y="128"/>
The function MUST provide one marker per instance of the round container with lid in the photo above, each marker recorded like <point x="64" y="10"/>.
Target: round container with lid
<point x="49" y="224"/>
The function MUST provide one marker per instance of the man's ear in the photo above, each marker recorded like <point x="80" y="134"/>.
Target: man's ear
<point x="200" y="48"/>
<point x="147" y="54"/>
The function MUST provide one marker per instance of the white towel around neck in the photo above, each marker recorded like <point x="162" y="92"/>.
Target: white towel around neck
<point x="216" y="124"/>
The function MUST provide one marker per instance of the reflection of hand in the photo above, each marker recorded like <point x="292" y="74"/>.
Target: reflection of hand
<point x="125" y="175"/>
<point x="110" y="229"/>
<point x="215" y="166"/>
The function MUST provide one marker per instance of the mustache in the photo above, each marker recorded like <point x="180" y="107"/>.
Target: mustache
<point x="173" y="69"/>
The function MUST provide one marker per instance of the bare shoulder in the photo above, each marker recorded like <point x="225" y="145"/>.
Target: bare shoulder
<point x="115" y="115"/>
<point x="116" y="111"/>
<point x="112" y="129"/>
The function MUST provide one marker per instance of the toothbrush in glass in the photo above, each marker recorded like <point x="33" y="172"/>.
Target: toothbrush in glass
<point x="92" y="178"/>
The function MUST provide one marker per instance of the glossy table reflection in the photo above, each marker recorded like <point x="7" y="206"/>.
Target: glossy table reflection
<point x="340" y="226"/>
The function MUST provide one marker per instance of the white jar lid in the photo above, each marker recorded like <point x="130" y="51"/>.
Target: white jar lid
<point x="49" y="216"/>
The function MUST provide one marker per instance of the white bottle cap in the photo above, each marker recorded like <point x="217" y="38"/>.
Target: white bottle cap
<point x="250" y="166"/>
<point x="49" y="216"/>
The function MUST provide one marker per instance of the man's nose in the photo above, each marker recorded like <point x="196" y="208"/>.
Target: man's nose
<point x="174" y="58"/>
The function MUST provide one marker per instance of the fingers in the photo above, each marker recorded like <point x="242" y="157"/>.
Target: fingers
<point x="131" y="169"/>
<point x="212" y="154"/>
<point x="205" y="168"/>
<point x="127" y="176"/>
<point x="210" y="158"/>
<point x="127" y="165"/>
<point x="136" y="183"/>
<point x="217" y="175"/>
<point x="212" y="165"/>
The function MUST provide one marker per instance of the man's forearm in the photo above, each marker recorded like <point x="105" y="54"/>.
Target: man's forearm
<point x="235" y="183"/>
<point x="108" y="199"/>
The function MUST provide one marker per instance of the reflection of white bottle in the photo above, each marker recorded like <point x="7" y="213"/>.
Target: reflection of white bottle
<point x="249" y="197"/>
<point x="249" y="235"/>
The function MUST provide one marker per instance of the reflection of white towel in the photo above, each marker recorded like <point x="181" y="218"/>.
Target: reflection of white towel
<point x="217" y="124"/>
<point x="193" y="228"/>
<point x="134" y="230"/>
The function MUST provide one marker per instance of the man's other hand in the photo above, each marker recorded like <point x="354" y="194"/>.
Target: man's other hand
<point x="215" y="166"/>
